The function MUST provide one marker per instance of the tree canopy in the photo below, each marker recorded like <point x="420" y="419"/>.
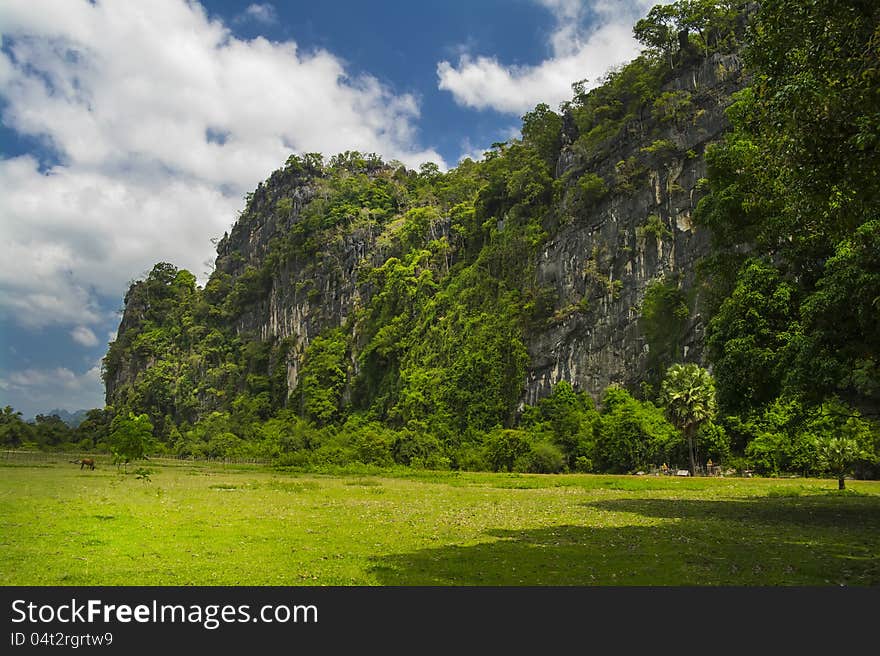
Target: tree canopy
<point x="688" y="393"/>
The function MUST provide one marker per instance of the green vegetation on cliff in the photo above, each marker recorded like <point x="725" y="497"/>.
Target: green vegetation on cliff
<point x="415" y="293"/>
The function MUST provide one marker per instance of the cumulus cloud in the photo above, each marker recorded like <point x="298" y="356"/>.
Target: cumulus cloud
<point x="75" y="233"/>
<point x="84" y="335"/>
<point x="35" y="390"/>
<point x="470" y="151"/>
<point x="587" y="40"/>
<point x="60" y="376"/>
<point x="158" y="120"/>
<point x="261" y="13"/>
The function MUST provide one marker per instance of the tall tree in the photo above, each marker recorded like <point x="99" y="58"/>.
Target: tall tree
<point x="688" y="392"/>
<point x="130" y="437"/>
<point x="796" y="185"/>
<point x="14" y="431"/>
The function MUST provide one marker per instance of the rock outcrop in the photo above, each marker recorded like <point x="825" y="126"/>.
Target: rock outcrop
<point x="596" y="265"/>
<point x="642" y="232"/>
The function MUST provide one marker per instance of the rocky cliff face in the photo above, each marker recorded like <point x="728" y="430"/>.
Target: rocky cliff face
<point x="305" y="296"/>
<point x="597" y="264"/>
<point x="640" y="233"/>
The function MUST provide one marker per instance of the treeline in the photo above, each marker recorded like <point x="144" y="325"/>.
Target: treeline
<point x="50" y="432"/>
<point x="564" y="432"/>
<point x="794" y="213"/>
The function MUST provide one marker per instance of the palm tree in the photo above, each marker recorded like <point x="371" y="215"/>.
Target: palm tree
<point x="688" y="392"/>
<point x="838" y="454"/>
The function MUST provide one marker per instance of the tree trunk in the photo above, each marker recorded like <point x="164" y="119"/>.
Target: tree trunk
<point x="840" y="484"/>
<point x="690" y="435"/>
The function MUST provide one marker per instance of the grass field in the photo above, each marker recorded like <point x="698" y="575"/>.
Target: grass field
<point x="204" y="525"/>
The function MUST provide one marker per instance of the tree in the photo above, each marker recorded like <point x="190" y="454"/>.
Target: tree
<point x="844" y="439"/>
<point x="505" y="447"/>
<point x="632" y="434"/>
<point x="839" y="352"/>
<point x="93" y="430"/>
<point x="783" y="437"/>
<point x="13" y="430"/>
<point x="542" y="129"/>
<point x="50" y="431"/>
<point x="130" y="437"/>
<point x="711" y="22"/>
<point x="570" y="417"/>
<point x="323" y="378"/>
<point x="795" y="185"/>
<point x="688" y="392"/>
<point x="657" y="31"/>
<point x="749" y="336"/>
<point x="838" y="455"/>
<point x="707" y="25"/>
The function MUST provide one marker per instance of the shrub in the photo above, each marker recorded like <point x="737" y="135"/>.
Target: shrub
<point x="589" y="190"/>
<point x="545" y="458"/>
<point x="632" y="434"/>
<point x="469" y="457"/>
<point x="655" y="227"/>
<point x="713" y="442"/>
<point x="504" y="447"/>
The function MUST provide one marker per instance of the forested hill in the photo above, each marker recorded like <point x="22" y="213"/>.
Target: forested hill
<point x="360" y="310"/>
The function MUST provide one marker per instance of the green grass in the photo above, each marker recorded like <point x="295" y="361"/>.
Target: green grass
<point x="202" y="525"/>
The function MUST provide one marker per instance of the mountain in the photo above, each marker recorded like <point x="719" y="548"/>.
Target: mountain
<point x="705" y="224"/>
<point x="453" y="299"/>
<point x="72" y="419"/>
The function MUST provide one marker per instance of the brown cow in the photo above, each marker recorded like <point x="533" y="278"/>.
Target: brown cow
<point x="84" y="462"/>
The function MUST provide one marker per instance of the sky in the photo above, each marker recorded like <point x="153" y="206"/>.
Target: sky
<point x="130" y="133"/>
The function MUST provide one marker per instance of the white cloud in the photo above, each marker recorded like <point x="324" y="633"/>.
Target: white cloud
<point x="36" y="390"/>
<point x="83" y="335"/>
<point x="61" y="376"/>
<point x="470" y="151"/>
<point x="261" y="13"/>
<point x="76" y="233"/>
<point x="577" y="53"/>
<point x="161" y="121"/>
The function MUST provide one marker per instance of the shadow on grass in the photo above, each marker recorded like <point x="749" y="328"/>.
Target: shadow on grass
<point x="813" y="540"/>
<point x="824" y="510"/>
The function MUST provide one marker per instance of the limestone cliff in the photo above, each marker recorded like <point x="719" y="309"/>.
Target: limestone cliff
<point x="641" y="232"/>
<point x="595" y="265"/>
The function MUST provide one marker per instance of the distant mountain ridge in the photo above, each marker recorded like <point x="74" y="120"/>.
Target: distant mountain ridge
<point x="72" y="419"/>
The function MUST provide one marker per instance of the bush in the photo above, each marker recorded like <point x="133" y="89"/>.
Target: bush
<point x="285" y="433"/>
<point x="633" y="434"/>
<point x="469" y="457"/>
<point x="298" y="459"/>
<point x="545" y="458"/>
<point x="713" y="442"/>
<point x="414" y="447"/>
<point x="583" y="464"/>
<point x="225" y="445"/>
<point x="566" y="419"/>
<point x="505" y="447"/>
<point x="373" y="445"/>
<point x="589" y="190"/>
<point x="332" y="454"/>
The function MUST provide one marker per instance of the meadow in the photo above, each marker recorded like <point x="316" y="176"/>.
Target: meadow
<point x="200" y="524"/>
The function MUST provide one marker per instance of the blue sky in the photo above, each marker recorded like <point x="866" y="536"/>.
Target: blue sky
<point x="130" y="132"/>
